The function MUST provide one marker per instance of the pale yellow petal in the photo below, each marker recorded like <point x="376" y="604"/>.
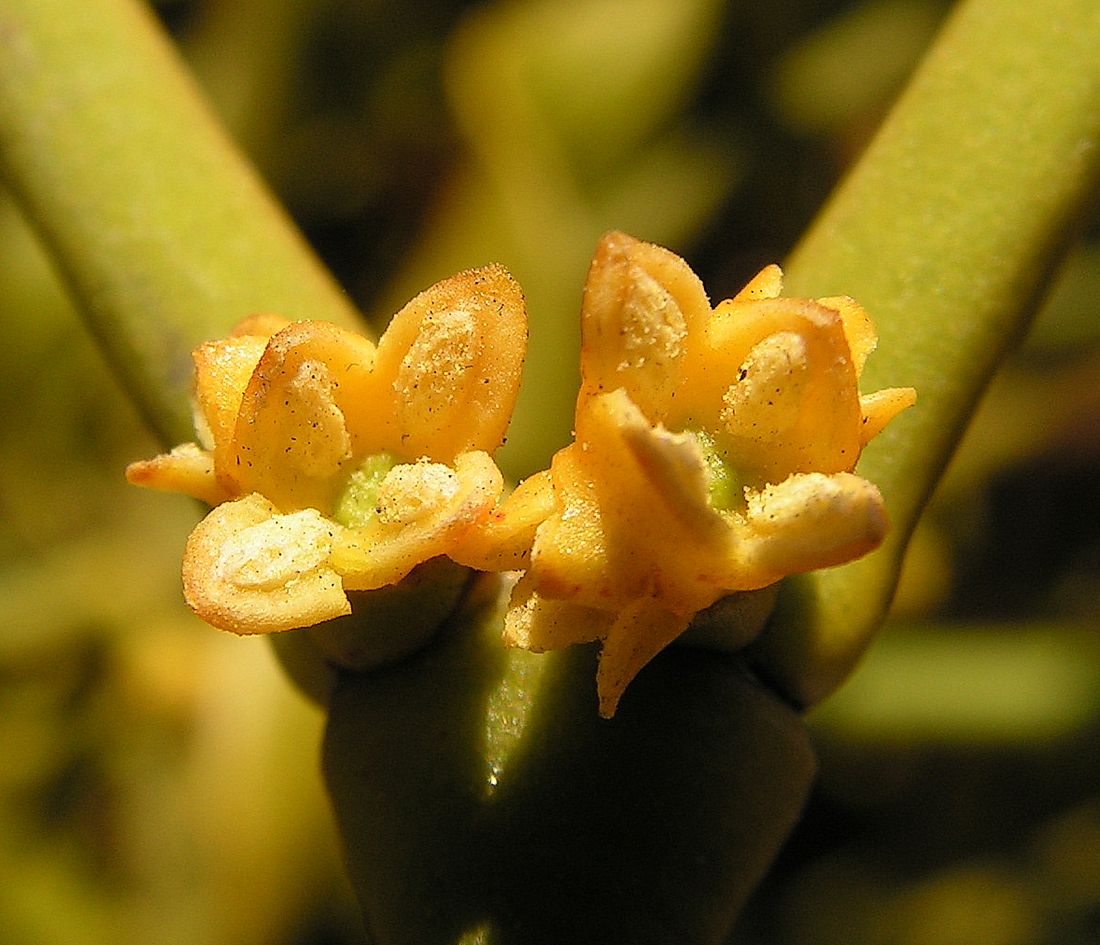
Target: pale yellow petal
<point x="540" y="624"/>
<point x="291" y="441"/>
<point x="640" y="303"/>
<point x="673" y="467"/>
<point x="249" y="569"/>
<point x="187" y="469"/>
<point x="858" y="327"/>
<point x="632" y="517"/>
<point x="777" y="342"/>
<point x="448" y="368"/>
<point x="766" y="284"/>
<point x="423" y="514"/>
<point x="767" y="399"/>
<point x="570" y="547"/>
<point x="503" y="541"/>
<point x="222" y="372"/>
<point x="809" y="521"/>
<point x="881" y="407"/>
<point x="640" y="631"/>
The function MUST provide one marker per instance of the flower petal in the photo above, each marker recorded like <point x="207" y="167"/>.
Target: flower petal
<point x="639" y="632"/>
<point x="881" y="407"/>
<point x="423" y="514"/>
<point x="632" y="517"/>
<point x="539" y="624"/>
<point x="222" y="371"/>
<point x="858" y="327"/>
<point x="765" y="363"/>
<point x="249" y="569"/>
<point x="187" y="469"/>
<point x="766" y="284"/>
<point x="503" y="541"/>
<point x="448" y="369"/>
<point x="291" y="441"/>
<point x="641" y="302"/>
<point x="809" y="521"/>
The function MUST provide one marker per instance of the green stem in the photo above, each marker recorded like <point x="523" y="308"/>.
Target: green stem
<point x="947" y="231"/>
<point x="164" y="235"/>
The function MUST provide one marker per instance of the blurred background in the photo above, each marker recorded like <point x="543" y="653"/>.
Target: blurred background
<point x="159" y="781"/>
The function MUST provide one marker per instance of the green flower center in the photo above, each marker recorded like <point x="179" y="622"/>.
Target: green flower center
<point x="358" y="503"/>
<point x="725" y="484"/>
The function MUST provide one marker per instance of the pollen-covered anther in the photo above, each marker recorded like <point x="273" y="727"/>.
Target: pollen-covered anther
<point x="322" y="443"/>
<point x="436" y="367"/>
<point x="653" y="327"/>
<point x="767" y="397"/>
<point x="275" y="552"/>
<point x="412" y="491"/>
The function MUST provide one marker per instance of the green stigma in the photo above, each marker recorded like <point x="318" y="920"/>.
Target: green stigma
<point x="725" y="487"/>
<point x="358" y="503"/>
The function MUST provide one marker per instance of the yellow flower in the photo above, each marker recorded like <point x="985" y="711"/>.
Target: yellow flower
<point x="335" y="465"/>
<point x="713" y="453"/>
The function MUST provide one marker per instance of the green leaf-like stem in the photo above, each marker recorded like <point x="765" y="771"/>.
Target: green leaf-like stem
<point x="164" y="234"/>
<point x="947" y="231"/>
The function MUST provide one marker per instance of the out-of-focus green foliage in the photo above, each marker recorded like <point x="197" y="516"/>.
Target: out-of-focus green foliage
<point x="154" y="787"/>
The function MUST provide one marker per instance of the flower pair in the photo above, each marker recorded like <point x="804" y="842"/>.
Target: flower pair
<point x="713" y="454"/>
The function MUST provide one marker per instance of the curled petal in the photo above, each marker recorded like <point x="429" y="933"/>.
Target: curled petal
<point x="187" y="469"/>
<point x="755" y="350"/>
<point x="502" y="542"/>
<point x="806" y="522"/>
<point x="641" y="302"/>
<point x="539" y="624"/>
<point x="291" y="440"/>
<point x="222" y="372"/>
<point x="638" y="633"/>
<point x="632" y="518"/>
<point x="249" y="569"/>
<point x="773" y="380"/>
<point x="858" y="327"/>
<point x="448" y="368"/>
<point x="881" y="407"/>
<point x="630" y="637"/>
<point x="673" y="465"/>
<point x="570" y="547"/>
<point x="425" y="510"/>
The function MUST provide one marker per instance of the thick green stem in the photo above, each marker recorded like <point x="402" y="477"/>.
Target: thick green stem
<point x="947" y="231"/>
<point x="164" y="234"/>
<point x="483" y="800"/>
